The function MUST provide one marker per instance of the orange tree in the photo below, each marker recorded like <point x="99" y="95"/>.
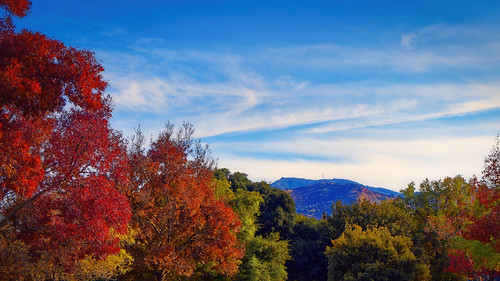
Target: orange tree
<point x="181" y="225"/>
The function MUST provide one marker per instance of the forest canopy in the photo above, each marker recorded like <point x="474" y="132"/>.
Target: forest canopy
<point x="79" y="201"/>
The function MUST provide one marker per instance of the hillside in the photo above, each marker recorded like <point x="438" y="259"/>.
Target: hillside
<point x="313" y="197"/>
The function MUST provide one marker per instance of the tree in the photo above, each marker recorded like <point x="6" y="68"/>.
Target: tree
<point x="366" y="215"/>
<point x="89" y="268"/>
<point x="238" y="180"/>
<point x="277" y="214"/>
<point x="308" y="261"/>
<point x="491" y="171"/>
<point x="434" y="199"/>
<point x="473" y="234"/>
<point x="246" y="204"/>
<point x="265" y="259"/>
<point x="77" y="204"/>
<point x="180" y="223"/>
<point x="38" y="77"/>
<point x="474" y="228"/>
<point x="60" y="162"/>
<point x="373" y="254"/>
<point x="265" y="256"/>
<point x="16" y="7"/>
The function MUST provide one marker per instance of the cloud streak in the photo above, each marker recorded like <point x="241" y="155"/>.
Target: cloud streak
<point x="391" y="164"/>
<point x="222" y="108"/>
<point x="304" y="108"/>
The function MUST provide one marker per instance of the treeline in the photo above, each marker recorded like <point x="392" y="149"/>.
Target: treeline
<point x="443" y="230"/>
<point x="78" y="201"/>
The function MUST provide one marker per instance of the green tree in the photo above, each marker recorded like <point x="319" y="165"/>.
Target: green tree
<point x="434" y="199"/>
<point x="366" y="215"/>
<point x="307" y="251"/>
<point x="265" y="256"/>
<point x="265" y="259"/>
<point x="373" y="254"/>
<point x="473" y="228"/>
<point x="246" y="204"/>
<point x="277" y="214"/>
<point x="238" y="180"/>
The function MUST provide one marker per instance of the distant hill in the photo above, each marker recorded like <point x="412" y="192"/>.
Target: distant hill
<point x="291" y="183"/>
<point x="313" y="197"/>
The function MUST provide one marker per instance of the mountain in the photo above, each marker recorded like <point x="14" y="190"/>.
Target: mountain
<point x="291" y="183"/>
<point x="313" y="197"/>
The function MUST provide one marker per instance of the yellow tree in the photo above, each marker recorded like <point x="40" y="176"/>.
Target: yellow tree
<point x="373" y="254"/>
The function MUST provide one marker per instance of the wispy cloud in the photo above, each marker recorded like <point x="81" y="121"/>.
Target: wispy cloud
<point x="407" y="40"/>
<point x="320" y="97"/>
<point x="255" y="104"/>
<point x="391" y="164"/>
<point x="240" y="96"/>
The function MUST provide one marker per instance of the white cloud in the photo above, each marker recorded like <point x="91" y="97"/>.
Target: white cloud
<point x="249" y="102"/>
<point x="164" y="94"/>
<point x="439" y="47"/>
<point x="390" y="164"/>
<point x="411" y="103"/>
<point x="143" y="95"/>
<point x="286" y="82"/>
<point x="262" y="90"/>
<point x="407" y="40"/>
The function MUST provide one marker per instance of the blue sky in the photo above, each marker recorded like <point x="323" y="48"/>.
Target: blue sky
<point x="380" y="92"/>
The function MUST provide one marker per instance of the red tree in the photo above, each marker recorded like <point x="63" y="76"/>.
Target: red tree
<point x="16" y="7"/>
<point x="474" y="229"/>
<point x="78" y="202"/>
<point x="38" y="77"/>
<point x="61" y="164"/>
<point x="476" y="243"/>
<point x="491" y="172"/>
<point x="181" y="225"/>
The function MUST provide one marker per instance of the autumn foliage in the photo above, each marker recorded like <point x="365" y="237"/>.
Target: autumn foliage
<point x="473" y="229"/>
<point x="67" y="180"/>
<point x="181" y="224"/>
<point x="79" y="202"/>
<point x="60" y="162"/>
<point x="16" y="7"/>
<point x="476" y="244"/>
<point x="38" y="78"/>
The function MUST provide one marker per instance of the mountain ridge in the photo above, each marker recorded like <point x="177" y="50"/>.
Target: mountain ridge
<point x="314" y="197"/>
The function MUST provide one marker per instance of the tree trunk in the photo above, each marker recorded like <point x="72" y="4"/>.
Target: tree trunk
<point x="159" y="276"/>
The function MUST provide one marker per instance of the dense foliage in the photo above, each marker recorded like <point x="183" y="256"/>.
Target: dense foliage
<point x="373" y="254"/>
<point x="266" y="250"/>
<point x="80" y="202"/>
<point x="75" y="203"/>
<point x="59" y="159"/>
<point x="179" y="223"/>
